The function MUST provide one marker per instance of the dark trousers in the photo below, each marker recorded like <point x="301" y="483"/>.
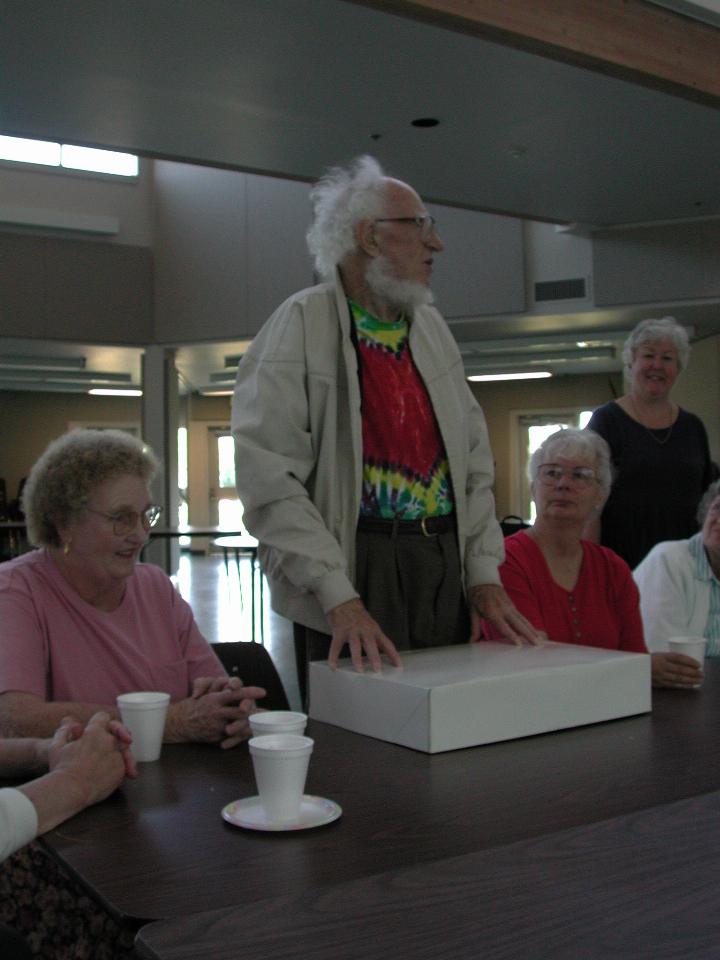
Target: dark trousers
<point x="411" y="584"/>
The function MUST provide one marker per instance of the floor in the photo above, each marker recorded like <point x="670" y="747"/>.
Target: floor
<point x="222" y="608"/>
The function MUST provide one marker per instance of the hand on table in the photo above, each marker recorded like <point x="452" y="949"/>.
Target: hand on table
<point x="71" y="730"/>
<point x="489" y="601"/>
<point x="217" y="710"/>
<point x="675" y="670"/>
<point x="96" y="757"/>
<point x="352" y="625"/>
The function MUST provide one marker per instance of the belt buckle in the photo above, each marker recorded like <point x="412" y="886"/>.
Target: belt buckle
<point x="424" y="528"/>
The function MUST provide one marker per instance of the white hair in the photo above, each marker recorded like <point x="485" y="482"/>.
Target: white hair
<point x="404" y="294"/>
<point x="340" y="199"/>
<point x="571" y="442"/>
<point x="711" y="494"/>
<point x="654" y="330"/>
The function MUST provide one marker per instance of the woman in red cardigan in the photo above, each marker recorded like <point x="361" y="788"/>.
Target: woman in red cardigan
<point x="574" y="590"/>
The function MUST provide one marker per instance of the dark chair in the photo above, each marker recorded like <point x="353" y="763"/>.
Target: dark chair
<point x="254" y="665"/>
<point x="511" y="524"/>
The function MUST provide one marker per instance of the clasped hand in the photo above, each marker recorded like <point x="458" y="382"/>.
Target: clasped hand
<point x="96" y="756"/>
<point x="217" y="710"/>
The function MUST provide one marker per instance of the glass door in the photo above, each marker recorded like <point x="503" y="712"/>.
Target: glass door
<point x="225" y="508"/>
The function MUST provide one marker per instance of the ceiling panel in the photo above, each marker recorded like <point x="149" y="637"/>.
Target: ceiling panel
<point x="288" y="86"/>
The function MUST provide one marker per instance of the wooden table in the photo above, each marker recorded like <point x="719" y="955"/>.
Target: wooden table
<point x="159" y="849"/>
<point x="638" y="887"/>
<point x="194" y="531"/>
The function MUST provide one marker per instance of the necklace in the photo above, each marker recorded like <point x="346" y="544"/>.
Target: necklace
<point x="652" y="431"/>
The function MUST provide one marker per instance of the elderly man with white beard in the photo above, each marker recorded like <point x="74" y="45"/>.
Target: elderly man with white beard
<point x="362" y="458"/>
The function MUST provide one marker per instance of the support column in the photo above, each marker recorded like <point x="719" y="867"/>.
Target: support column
<point x="160" y="417"/>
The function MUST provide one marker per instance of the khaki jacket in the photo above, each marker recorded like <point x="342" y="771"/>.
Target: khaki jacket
<point x="298" y="434"/>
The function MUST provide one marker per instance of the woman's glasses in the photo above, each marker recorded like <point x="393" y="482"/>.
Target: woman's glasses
<point x="550" y="473"/>
<point x="127" y="520"/>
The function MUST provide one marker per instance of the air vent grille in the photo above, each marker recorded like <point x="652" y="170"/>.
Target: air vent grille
<point x="560" y="290"/>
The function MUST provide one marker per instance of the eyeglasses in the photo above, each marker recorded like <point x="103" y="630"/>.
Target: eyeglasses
<point x="127" y="520"/>
<point x="550" y="473"/>
<point x="424" y="222"/>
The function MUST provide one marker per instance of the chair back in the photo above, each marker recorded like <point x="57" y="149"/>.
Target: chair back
<point x="254" y="665"/>
<point x="511" y="524"/>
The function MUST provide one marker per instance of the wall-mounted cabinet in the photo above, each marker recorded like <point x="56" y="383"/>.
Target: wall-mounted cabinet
<point x="481" y="270"/>
<point x="229" y="248"/>
<point x="75" y="290"/>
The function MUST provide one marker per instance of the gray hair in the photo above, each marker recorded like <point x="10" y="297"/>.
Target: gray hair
<point x="343" y="197"/>
<point x="712" y="493"/>
<point x="66" y="475"/>
<point x="654" y="330"/>
<point x="571" y="442"/>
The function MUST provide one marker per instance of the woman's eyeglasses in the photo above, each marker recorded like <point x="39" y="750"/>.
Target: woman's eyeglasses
<point x="550" y="473"/>
<point x="127" y="520"/>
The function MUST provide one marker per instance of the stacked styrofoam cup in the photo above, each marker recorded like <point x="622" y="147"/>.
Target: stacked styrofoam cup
<point x="277" y="721"/>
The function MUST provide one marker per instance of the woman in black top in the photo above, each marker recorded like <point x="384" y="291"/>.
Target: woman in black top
<point x="660" y="451"/>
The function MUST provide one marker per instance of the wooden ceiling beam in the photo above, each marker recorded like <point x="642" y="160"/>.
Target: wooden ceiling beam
<point x="631" y="39"/>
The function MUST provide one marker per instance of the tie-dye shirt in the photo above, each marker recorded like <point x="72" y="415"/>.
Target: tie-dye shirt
<point x="405" y="468"/>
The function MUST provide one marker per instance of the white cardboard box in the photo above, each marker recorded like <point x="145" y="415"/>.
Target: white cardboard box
<point x="461" y="696"/>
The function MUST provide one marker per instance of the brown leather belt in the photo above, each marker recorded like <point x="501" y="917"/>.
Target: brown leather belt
<point x="426" y="527"/>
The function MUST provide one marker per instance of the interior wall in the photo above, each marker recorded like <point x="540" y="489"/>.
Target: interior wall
<point x="29" y="421"/>
<point x="73" y="192"/>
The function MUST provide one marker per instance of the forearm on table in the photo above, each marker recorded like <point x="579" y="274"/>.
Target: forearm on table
<point x="55" y="796"/>
<point x="24" y="756"/>
<point x="176" y="726"/>
<point x="26" y="715"/>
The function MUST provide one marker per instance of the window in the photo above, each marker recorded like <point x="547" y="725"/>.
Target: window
<point x="68" y="156"/>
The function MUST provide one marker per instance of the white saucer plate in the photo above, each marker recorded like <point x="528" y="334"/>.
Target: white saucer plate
<point x="314" y="812"/>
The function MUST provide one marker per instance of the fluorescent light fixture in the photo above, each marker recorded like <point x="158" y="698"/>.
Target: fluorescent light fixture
<point x="68" y="155"/>
<point x="30" y="151"/>
<point x="99" y="161"/>
<point x="215" y="393"/>
<point x="535" y="375"/>
<point x="112" y="392"/>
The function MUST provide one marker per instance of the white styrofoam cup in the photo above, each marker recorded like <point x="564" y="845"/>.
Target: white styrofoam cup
<point x="280" y="761"/>
<point x="691" y="646"/>
<point x="143" y="713"/>
<point x="277" y="721"/>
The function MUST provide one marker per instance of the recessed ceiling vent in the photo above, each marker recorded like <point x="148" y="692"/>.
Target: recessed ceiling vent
<point x="560" y="290"/>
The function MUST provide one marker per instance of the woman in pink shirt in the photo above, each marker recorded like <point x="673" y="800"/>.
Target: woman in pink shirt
<point x="574" y="590"/>
<point x="82" y="621"/>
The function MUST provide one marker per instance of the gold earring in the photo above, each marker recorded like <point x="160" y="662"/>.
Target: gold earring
<point x="66" y="548"/>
